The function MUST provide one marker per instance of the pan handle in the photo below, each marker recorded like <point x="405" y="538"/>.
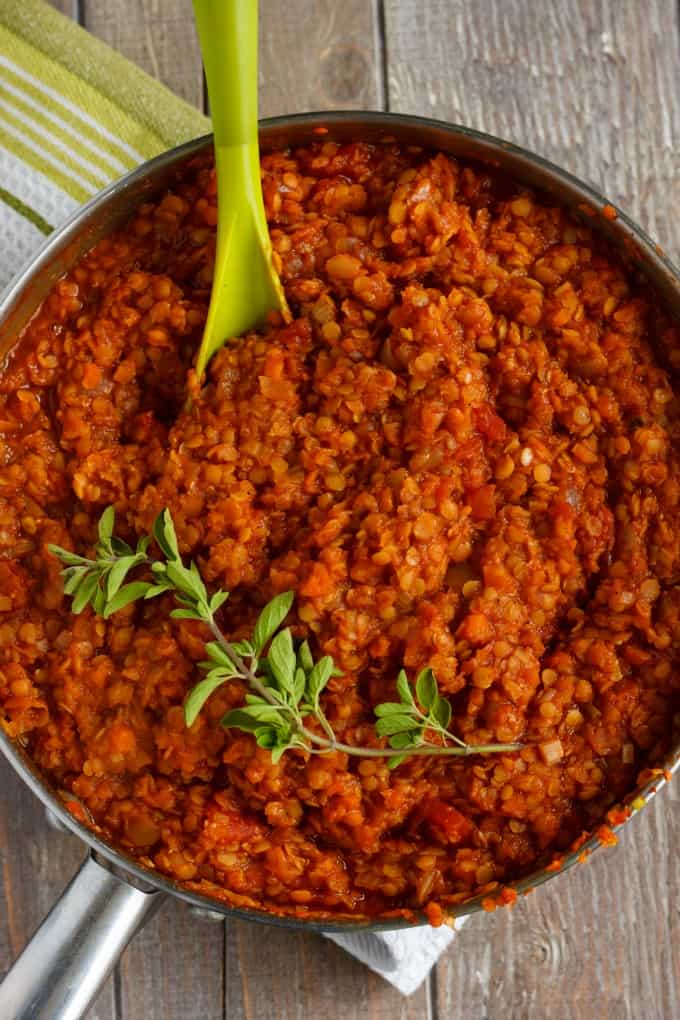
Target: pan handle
<point x="63" y="967"/>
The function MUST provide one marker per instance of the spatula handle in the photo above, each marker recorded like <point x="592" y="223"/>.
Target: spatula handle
<point x="227" y="31"/>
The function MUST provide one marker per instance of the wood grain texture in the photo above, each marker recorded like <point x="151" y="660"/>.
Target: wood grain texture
<point x="174" y="969"/>
<point x="600" y="941"/>
<point x="159" y="35"/>
<point x="36" y="863"/>
<point x="591" y="84"/>
<point x="340" y="63"/>
<point x="272" y="974"/>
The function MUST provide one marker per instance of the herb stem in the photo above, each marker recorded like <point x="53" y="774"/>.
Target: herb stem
<point x="247" y="672"/>
<point x="285" y="684"/>
<point x="328" y="742"/>
<point x="326" y="726"/>
<point x="377" y="752"/>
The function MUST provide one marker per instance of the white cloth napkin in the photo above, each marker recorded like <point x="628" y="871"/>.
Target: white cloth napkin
<point x="404" y="958"/>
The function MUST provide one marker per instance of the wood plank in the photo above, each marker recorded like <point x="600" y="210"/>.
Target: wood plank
<point x="592" y="85"/>
<point x="340" y="65"/>
<point x="174" y="968"/>
<point x="36" y="863"/>
<point x="159" y="35"/>
<point x="273" y="973"/>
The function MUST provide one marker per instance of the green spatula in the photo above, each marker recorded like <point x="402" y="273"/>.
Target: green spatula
<point x="245" y="284"/>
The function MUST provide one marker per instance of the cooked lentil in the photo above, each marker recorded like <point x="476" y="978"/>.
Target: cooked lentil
<point x="463" y="453"/>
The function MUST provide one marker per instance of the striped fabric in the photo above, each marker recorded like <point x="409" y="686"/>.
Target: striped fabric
<point x="74" y="115"/>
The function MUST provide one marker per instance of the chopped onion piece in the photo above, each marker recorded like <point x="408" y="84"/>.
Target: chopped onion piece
<point x="552" y="751"/>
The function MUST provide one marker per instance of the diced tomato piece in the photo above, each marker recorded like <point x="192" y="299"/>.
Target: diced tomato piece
<point x="488" y="423"/>
<point x="318" y="584"/>
<point x="483" y="503"/>
<point x="476" y="629"/>
<point x="231" y="828"/>
<point x="446" y="823"/>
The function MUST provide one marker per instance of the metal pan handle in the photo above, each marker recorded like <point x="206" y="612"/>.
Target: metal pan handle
<point x="63" y="967"/>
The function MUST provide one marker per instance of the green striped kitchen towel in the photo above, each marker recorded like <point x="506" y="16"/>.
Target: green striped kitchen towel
<point x="74" y="115"/>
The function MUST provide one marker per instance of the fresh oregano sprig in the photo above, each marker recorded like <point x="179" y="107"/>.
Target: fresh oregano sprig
<point x="98" y="583"/>
<point x="405" y="724"/>
<point x="284" y="682"/>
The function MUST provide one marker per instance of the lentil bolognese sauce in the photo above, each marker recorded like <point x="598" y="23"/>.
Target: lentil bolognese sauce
<point x="462" y="453"/>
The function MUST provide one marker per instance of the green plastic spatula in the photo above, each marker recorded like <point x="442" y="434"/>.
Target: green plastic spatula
<point x="245" y="284"/>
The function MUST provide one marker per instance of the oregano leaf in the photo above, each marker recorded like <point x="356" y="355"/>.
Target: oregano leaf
<point x="441" y="712"/>
<point x="180" y="577"/>
<point x="266" y="736"/>
<point x="124" y="596"/>
<point x="167" y="545"/>
<point x="265" y="713"/>
<point x="186" y="614"/>
<point x="404" y="688"/>
<point x="119" y="547"/>
<point x="117" y="573"/>
<point x="143" y="544"/>
<point x="241" y="719"/>
<point x="198" y="696"/>
<point x="281" y="660"/>
<point x="105" y="526"/>
<point x="426" y="688"/>
<point x="218" y="600"/>
<point x="169" y="533"/>
<point x="299" y="683"/>
<point x="85" y="592"/>
<point x="401" y="740"/>
<point x="305" y="657"/>
<point x="390" y="724"/>
<point x="157" y="589"/>
<point x="195" y="583"/>
<point x="73" y="578"/>
<point x="318" y="678"/>
<point x="217" y="654"/>
<point x="388" y="708"/>
<point x="242" y="648"/>
<point x="68" y="558"/>
<point x="98" y="601"/>
<point x="271" y="618"/>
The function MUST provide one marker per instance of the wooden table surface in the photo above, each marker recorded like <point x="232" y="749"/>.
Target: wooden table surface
<point x="595" y="86"/>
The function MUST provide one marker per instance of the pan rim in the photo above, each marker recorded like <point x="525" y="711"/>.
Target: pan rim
<point x="653" y="262"/>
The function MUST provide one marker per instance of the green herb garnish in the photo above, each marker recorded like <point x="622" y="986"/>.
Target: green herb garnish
<point x="284" y="680"/>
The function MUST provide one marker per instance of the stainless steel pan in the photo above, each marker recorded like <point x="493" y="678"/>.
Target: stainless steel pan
<point x="61" y="970"/>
